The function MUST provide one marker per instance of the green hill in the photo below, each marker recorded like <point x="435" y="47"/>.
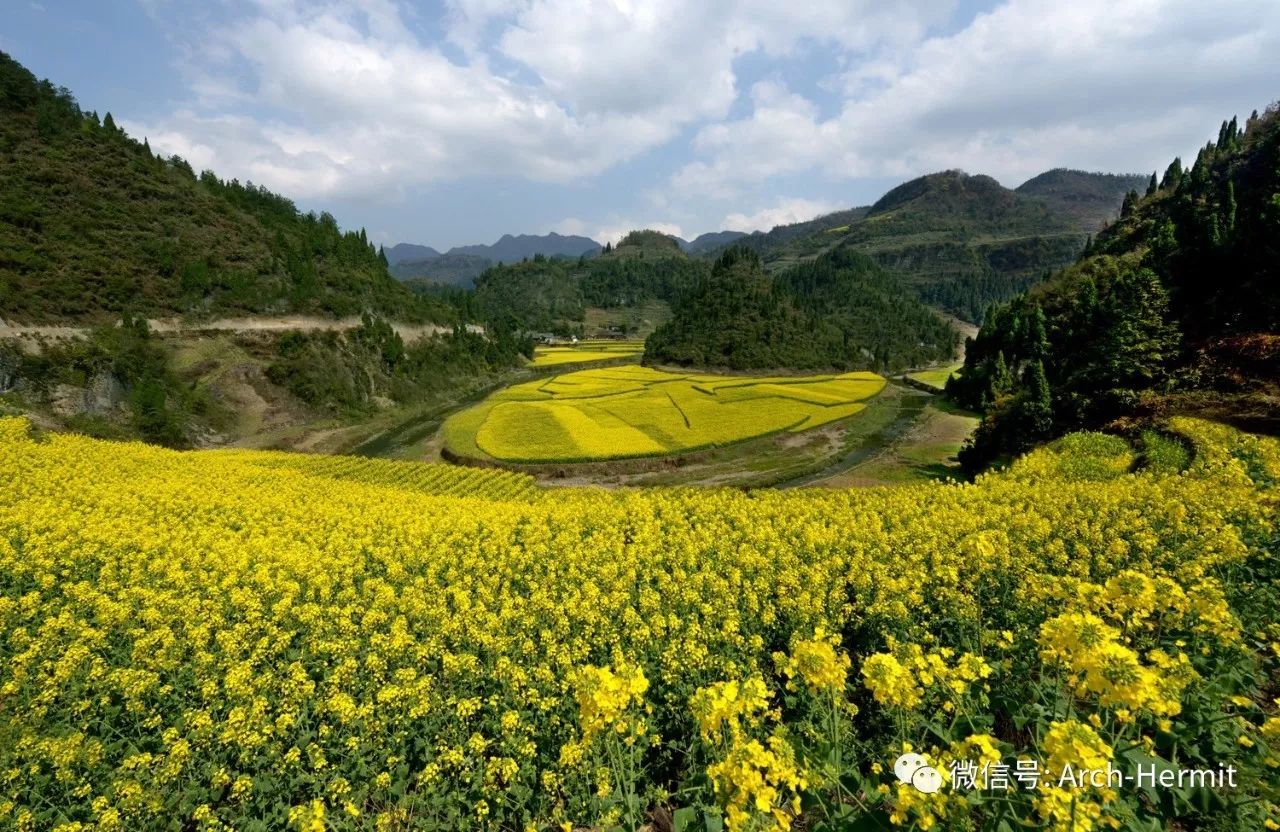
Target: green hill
<point x="839" y="311"/>
<point x="786" y="244"/>
<point x="1090" y="200"/>
<point x="1175" y="308"/>
<point x="93" y="223"/>
<point x="553" y="294"/>
<point x="961" y="242"/>
<point x="444" y="269"/>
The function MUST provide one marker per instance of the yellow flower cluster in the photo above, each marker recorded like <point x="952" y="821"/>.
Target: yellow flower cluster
<point x="604" y="695"/>
<point x="926" y="810"/>
<point x="818" y="661"/>
<point x="1099" y="664"/>
<point x="757" y="779"/>
<point x="210" y="638"/>
<point x="902" y="677"/>
<point x="1073" y="747"/>
<point x="723" y="709"/>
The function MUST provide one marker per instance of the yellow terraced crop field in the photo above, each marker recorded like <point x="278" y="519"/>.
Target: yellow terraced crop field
<point x="585" y="351"/>
<point x="633" y="411"/>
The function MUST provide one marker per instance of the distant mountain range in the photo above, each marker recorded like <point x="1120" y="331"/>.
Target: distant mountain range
<point x="460" y="265"/>
<point x="405" y="252"/>
<point x="710" y="241"/>
<point x="962" y="241"/>
<point x="509" y="249"/>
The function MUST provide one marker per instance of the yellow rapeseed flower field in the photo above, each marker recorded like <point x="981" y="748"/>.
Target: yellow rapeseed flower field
<point x="585" y="352"/>
<point x="634" y="411"/>
<point x="259" y="641"/>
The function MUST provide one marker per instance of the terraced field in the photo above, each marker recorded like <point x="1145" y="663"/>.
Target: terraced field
<point x="936" y="377"/>
<point x="585" y="351"/>
<point x="632" y="411"/>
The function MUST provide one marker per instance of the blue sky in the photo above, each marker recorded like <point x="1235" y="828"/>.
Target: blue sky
<point x="453" y="123"/>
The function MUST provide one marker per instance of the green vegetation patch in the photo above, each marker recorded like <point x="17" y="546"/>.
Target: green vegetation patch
<point x="936" y="377"/>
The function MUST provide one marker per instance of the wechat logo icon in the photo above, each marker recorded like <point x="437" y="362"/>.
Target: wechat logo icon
<point x="912" y="768"/>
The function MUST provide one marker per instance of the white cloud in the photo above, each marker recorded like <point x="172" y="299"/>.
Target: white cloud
<point x="570" y="227"/>
<point x="333" y="99"/>
<point x="614" y="231"/>
<point x="787" y="211"/>
<point x="342" y="98"/>
<point x="782" y="135"/>
<point x="358" y="107"/>
<point x="1031" y="85"/>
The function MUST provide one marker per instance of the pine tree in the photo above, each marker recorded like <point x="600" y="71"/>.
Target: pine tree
<point x="1037" y="336"/>
<point x="109" y="123"/>
<point x="1035" y="405"/>
<point x="1001" y="378"/>
<point x="1152" y="186"/>
<point x="1229" y="210"/>
<point x="1130" y="202"/>
<point x="1172" y="174"/>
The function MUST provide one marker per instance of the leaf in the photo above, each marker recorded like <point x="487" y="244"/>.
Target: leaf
<point x="683" y="819"/>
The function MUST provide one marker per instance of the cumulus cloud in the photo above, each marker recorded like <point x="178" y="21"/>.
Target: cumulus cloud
<point x="1031" y="85"/>
<point x="345" y="98"/>
<point x="787" y="211"/>
<point x="341" y="99"/>
<point x="615" y="230"/>
<point x="355" y="105"/>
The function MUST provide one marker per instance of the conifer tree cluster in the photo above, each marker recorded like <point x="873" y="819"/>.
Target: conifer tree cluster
<point x="1194" y="260"/>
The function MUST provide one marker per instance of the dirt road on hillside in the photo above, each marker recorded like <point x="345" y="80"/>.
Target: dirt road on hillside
<point x="409" y="332"/>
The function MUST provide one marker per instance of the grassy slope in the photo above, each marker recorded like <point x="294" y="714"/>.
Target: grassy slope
<point x="935" y="377"/>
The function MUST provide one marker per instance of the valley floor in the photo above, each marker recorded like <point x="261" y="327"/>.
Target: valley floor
<point x="904" y="435"/>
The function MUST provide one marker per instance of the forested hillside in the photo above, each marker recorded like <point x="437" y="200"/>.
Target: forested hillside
<point x="1176" y="299"/>
<point x="787" y="243"/>
<point x="97" y="230"/>
<point x="459" y="270"/>
<point x="552" y="294"/>
<point x="93" y="223"/>
<point x="840" y="311"/>
<point x="962" y="242"/>
<point x="1091" y="200"/>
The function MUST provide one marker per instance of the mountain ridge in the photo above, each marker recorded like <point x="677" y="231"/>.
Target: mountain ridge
<point x="963" y="241"/>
